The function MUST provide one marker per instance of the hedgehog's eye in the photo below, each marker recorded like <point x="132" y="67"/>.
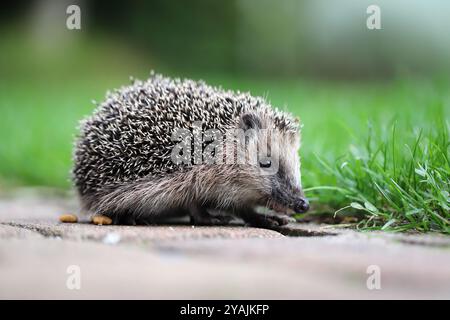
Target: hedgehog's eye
<point x="265" y="163"/>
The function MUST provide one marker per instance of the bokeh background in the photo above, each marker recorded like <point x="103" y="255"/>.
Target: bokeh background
<point x="315" y="58"/>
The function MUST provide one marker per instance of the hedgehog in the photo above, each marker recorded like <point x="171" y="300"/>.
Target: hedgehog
<point x="124" y="164"/>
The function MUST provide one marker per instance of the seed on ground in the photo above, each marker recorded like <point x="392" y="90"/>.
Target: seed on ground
<point x="101" y="220"/>
<point x="68" y="218"/>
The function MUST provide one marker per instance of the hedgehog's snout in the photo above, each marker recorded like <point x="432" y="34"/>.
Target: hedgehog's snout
<point x="301" y="205"/>
<point x="289" y="202"/>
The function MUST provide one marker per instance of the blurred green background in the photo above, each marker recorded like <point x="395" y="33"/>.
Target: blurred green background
<point x="315" y="58"/>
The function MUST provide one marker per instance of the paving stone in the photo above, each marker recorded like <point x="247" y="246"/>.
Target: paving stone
<point x="39" y="270"/>
<point x="139" y="234"/>
<point x="180" y="262"/>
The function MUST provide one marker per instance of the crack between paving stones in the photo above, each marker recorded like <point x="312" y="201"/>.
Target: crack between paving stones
<point x="298" y="232"/>
<point x="40" y="230"/>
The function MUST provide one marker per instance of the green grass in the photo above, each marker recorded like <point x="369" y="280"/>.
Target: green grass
<point x="377" y="149"/>
<point x="399" y="183"/>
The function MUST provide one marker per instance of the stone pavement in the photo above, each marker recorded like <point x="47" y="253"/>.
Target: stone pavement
<point x="300" y="261"/>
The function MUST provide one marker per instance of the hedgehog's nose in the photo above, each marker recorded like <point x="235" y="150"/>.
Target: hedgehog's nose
<point x="302" y="205"/>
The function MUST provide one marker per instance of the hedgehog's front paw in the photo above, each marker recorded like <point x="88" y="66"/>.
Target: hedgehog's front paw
<point x="283" y="219"/>
<point x="266" y="220"/>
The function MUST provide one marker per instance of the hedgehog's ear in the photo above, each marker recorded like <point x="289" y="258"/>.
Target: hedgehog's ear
<point x="250" y="121"/>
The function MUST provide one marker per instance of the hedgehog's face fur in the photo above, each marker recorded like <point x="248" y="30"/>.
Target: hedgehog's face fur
<point x="278" y="186"/>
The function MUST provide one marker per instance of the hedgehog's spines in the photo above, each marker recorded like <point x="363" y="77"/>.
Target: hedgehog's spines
<point x="129" y="135"/>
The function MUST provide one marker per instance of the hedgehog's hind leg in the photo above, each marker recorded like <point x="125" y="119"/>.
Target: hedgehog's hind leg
<point x="123" y="217"/>
<point x="200" y="216"/>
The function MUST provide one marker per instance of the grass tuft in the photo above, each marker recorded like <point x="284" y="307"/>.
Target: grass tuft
<point x="397" y="185"/>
